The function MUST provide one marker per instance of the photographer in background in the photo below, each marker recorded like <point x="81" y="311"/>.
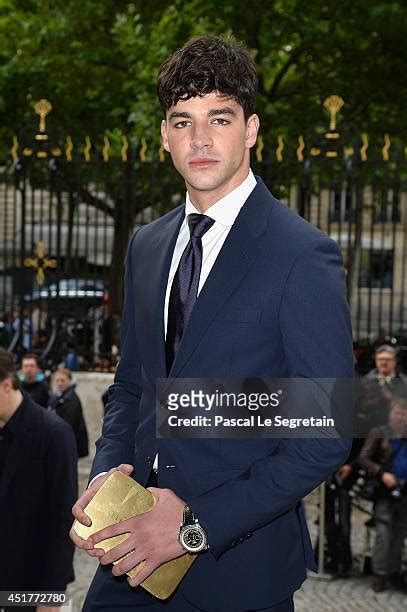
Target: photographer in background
<point x="384" y="457"/>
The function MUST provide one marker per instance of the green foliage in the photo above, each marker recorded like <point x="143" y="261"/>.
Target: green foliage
<point x="97" y="61"/>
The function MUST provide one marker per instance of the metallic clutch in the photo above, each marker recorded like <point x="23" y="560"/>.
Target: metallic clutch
<point x="119" y="498"/>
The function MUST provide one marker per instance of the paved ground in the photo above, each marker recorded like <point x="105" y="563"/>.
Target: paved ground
<point x="316" y="595"/>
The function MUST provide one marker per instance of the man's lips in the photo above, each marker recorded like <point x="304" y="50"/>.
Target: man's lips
<point x="202" y="162"/>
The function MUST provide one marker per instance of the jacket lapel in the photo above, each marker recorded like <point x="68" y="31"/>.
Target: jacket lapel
<point x="152" y="295"/>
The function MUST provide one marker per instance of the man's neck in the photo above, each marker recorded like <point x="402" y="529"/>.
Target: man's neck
<point x="203" y="200"/>
<point x="13" y="402"/>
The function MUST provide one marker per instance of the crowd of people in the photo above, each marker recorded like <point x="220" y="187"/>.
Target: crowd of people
<point x="376" y="471"/>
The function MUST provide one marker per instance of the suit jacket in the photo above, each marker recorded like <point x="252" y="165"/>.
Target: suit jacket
<point x="273" y="305"/>
<point x="38" y="489"/>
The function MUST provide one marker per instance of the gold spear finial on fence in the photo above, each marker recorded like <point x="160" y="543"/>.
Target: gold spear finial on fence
<point x="333" y="104"/>
<point x="43" y="108"/>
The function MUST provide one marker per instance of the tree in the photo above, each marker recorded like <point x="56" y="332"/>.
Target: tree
<point x="97" y="63"/>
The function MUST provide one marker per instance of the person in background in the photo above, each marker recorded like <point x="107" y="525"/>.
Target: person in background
<point x="33" y="380"/>
<point x="68" y="406"/>
<point x="384" y="457"/>
<point x="29" y="331"/>
<point x="38" y="485"/>
<point x="72" y="358"/>
<point x="378" y="388"/>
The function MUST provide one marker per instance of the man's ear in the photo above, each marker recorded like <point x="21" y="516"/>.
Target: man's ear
<point x="252" y="128"/>
<point x="164" y="135"/>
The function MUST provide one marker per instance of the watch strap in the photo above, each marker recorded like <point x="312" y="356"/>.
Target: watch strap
<point x="188" y="516"/>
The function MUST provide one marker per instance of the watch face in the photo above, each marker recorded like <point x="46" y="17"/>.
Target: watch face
<point x="193" y="538"/>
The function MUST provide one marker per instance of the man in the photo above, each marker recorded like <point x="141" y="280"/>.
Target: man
<point x="38" y="484"/>
<point x="33" y="380"/>
<point x="384" y="457"/>
<point x="378" y="388"/>
<point x="241" y="288"/>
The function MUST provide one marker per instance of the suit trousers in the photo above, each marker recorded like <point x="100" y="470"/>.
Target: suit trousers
<point x="110" y="594"/>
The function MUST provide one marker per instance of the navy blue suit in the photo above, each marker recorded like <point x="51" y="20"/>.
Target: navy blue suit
<point x="273" y="305"/>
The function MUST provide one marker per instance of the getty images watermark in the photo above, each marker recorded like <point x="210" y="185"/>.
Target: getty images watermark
<point x="231" y="408"/>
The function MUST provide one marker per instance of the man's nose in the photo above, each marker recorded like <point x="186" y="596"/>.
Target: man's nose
<point x="201" y="137"/>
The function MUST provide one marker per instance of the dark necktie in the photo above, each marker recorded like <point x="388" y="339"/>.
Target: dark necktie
<point x="184" y="289"/>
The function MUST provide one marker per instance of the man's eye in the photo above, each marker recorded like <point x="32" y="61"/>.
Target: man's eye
<point x="219" y="121"/>
<point x="181" y="124"/>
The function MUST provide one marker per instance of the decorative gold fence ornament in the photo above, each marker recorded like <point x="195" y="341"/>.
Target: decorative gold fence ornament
<point x="69" y="148"/>
<point x="280" y="148"/>
<point x="364" y="148"/>
<point x="124" y="149"/>
<point x="333" y="104"/>
<point x="40" y="262"/>
<point x="106" y="149"/>
<point x="161" y="153"/>
<point x="143" y="149"/>
<point x="259" y="150"/>
<point x="43" y="108"/>
<point x="14" y="148"/>
<point x="301" y="147"/>
<point x="87" y="148"/>
<point x="386" y="147"/>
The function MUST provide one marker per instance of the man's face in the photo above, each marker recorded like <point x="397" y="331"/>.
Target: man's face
<point x="29" y="368"/>
<point x="385" y="364"/>
<point x="209" y="142"/>
<point x="62" y="382"/>
<point x="398" y="417"/>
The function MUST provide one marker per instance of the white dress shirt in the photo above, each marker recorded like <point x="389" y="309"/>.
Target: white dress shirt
<point x="224" y="213"/>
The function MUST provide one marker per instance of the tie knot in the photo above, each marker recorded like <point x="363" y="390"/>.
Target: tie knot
<point x="199" y="225"/>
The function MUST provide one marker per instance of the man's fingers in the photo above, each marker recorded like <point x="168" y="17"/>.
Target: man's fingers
<point x="80" y="504"/>
<point x="145" y="572"/>
<point x="128" y="563"/>
<point x="126" y="468"/>
<point x="112" y="530"/>
<point x="80" y="542"/>
<point x="118" y="551"/>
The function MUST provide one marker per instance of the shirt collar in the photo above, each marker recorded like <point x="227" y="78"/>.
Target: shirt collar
<point x="225" y="210"/>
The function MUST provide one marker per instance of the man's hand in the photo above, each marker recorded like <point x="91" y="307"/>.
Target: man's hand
<point x="153" y="537"/>
<point x="47" y="609"/>
<point x="389" y="480"/>
<point x="80" y="514"/>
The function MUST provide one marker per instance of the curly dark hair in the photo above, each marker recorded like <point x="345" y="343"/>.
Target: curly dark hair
<point x="206" y="64"/>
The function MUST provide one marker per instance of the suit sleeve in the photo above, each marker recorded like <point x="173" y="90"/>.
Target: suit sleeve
<point x="116" y="444"/>
<point x="315" y="327"/>
<point x="62" y="489"/>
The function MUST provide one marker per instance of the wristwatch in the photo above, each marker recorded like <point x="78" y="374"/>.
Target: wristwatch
<point x="192" y="535"/>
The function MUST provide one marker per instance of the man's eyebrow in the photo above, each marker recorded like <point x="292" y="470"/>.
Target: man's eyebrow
<point x="221" y="111"/>
<point x="177" y="114"/>
<point x="211" y="113"/>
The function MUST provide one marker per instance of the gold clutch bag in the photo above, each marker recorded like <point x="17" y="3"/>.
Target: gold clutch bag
<point x="119" y="498"/>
